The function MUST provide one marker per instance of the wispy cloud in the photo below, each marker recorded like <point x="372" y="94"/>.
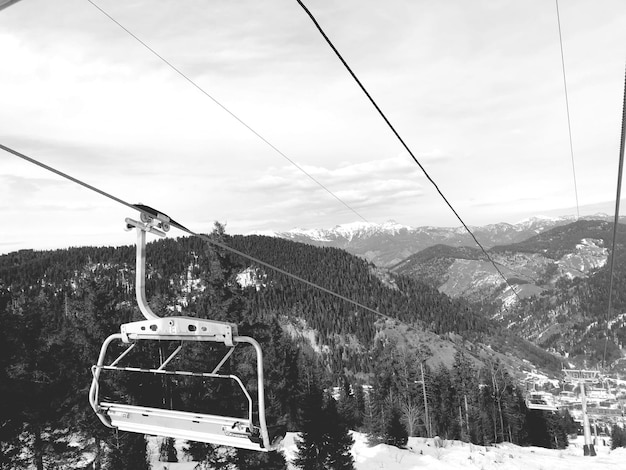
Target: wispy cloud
<point x="474" y="88"/>
<point x="369" y="187"/>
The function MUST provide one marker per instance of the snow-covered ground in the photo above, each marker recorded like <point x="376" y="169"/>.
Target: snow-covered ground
<point x="422" y="454"/>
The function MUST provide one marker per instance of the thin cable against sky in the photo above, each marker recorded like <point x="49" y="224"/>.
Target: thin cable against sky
<point x="192" y="233"/>
<point x="406" y="147"/>
<point x="237" y="118"/>
<point x="569" y="124"/>
<point x="616" y="220"/>
<point x="7" y="3"/>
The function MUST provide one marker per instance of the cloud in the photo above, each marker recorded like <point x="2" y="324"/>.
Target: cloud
<point x="370" y="188"/>
<point x="478" y="99"/>
<point x="382" y="174"/>
<point x="345" y="175"/>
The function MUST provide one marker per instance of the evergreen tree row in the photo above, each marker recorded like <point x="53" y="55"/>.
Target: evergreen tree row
<point x="483" y="406"/>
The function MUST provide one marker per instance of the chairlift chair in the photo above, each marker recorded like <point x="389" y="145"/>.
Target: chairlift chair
<point x="240" y="432"/>
<point x="540" y="401"/>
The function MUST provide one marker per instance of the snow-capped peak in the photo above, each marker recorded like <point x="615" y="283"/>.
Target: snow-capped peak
<point x="266" y="233"/>
<point x="355" y="229"/>
<point x="347" y="231"/>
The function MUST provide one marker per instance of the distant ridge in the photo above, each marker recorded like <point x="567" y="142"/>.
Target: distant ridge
<point x="389" y="243"/>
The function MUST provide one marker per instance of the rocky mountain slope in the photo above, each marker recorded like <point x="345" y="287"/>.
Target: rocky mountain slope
<point x="390" y="243"/>
<point x="561" y="282"/>
<point x="570" y="251"/>
<point x="554" y="265"/>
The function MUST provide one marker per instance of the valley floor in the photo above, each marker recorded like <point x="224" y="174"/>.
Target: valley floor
<point x="455" y="455"/>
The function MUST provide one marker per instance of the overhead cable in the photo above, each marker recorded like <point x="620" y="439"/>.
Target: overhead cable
<point x="616" y="221"/>
<point x="7" y="3"/>
<point x="569" y="124"/>
<point x="199" y="235"/>
<point x="232" y="114"/>
<point x="406" y="147"/>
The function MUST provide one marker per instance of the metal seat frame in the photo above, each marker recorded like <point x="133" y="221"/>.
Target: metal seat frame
<point x="538" y="403"/>
<point x="240" y="432"/>
<point x="540" y="406"/>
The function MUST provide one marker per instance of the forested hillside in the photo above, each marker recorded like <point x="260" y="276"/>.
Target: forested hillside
<point x="560" y="241"/>
<point x="399" y="297"/>
<point x="571" y="314"/>
<point x="533" y="266"/>
<point x="57" y="307"/>
<point x="562" y="283"/>
<point x="572" y="317"/>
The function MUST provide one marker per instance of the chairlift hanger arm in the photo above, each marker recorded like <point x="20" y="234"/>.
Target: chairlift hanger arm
<point x="155" y="214"/>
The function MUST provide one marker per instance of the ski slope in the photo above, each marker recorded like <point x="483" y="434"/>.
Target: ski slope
<point x="422" y="454"/>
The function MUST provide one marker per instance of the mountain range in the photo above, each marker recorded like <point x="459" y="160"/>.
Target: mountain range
<point x="390" y="243"/>
<point x="545" y="279"/>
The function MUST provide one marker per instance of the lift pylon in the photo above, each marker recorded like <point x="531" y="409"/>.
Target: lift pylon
<point x="581" y="377"/>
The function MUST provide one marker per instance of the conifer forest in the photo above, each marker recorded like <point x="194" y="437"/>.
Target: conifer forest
<point x="57" y="307"/>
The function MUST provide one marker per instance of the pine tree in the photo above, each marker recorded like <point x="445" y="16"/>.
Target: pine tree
<point x="167" y="451"/>
<point x="128" y="452"/>
<point x="11" y="421"/>
<point x="485" y="427"/>
<point x="210" y="457"/>
<point x="374" y="417"/>
<point x="538" y="432"/>
<point x="558" y="424"/>
<point x="514" y="416"/>
<point x="325" y="441"/>
<point x="359" y="402"/>
<point x="618" y="437"/>
<point x="252" y="460"/>
<point x="41" y="377"/>
<point x="347" y="405"/>
<point x="94" y="315"/>
<point x="465" y="384"/>
<point x="396" y="434"/>
<point x="443" y="409"/>
<point x="310" y="453"/>
<point x="338" y="440"/>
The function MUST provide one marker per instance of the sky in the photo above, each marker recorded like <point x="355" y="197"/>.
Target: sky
<point x="475" y="89"/>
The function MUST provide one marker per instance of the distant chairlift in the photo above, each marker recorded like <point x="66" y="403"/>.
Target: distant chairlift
<point x="240" y="432"/>
<point x="540" y="401"/>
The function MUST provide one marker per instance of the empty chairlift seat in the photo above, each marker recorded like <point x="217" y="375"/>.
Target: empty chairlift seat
<point x="218" y="430"/>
